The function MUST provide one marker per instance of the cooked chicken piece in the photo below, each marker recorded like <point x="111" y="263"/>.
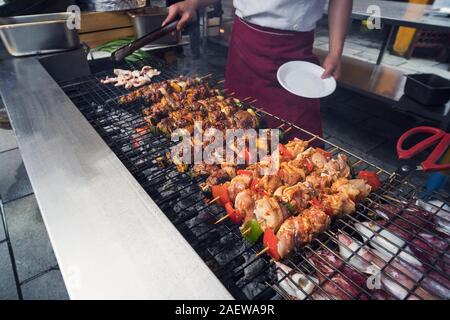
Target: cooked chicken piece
<point x="319" y="180"/>
<point x="338" y="167"/>
<point x="245" y="120"/>
<point x="319" y="160"/>
<point x="238" y="184"/>
<point x="309" y="224"/>
<point x="229" y="169"/>
<point x="268" y="213"/>
<point x="245" y="204"/>
<point x="291" y="174"/>
<point x="296" y="196"/>
<point x="339" y="204"/>
<point x="296" y="146"/>
<point x="269" y="183"/>
<point x="305" y="154"/>
<point x="355" y="189"/>
<point x="285" y="236"/>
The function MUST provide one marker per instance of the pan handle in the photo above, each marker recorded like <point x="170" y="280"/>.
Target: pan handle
<point x="128" y="49"/>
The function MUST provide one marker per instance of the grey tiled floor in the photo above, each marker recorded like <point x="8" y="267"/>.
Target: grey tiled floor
<point x="32" y="248"/>
<point x="14" y="181"/>
<point x="7" y="284"/>
<point x="33" y="253"/>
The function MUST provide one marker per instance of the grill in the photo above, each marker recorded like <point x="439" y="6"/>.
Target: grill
<point x="228" y="255"/>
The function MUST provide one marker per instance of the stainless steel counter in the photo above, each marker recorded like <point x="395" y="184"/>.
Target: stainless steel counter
<point x="110" y="239"/>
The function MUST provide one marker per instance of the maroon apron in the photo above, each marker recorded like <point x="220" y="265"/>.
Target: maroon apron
<point x="254" y="56"/>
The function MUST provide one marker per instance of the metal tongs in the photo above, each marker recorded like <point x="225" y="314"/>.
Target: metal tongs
<point x="128" y="49"/>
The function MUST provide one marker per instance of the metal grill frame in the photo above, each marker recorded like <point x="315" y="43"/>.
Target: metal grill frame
<point x="89" y="95"/>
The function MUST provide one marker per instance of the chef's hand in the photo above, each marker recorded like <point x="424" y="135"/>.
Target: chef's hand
<point x="332" y="66"/>
<point x="185" y="9"/>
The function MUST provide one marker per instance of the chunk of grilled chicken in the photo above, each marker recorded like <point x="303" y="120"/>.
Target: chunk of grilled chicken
<point x="244" y="120"/>
<point x="296" y="146"/>
<point x="319" y="181"/>
<point x="291" y="173"/>
<point x="297" y="196"/>
<point x="339" y="203"/>
<point x="338" y="167"/>
<point x="245" y="204"/>
<point x="269" y="183"/>
<point x="269" y="213"/>
<point x="238" y="184"/>
<point x="301" y="230"/>
<point x="355" y="189"/>
<point x="155" y="91"/>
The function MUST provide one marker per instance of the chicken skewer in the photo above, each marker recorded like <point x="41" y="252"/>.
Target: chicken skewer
<point x="261" y="212"/>
<point x="155" y="91"/>
<point x="301" y="230"/>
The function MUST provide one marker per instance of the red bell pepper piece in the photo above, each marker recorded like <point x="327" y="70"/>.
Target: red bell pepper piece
<point x="234" y="215"/>
<point x="254" y="187"/>
<point x="220" y="191"/>
<point x="245" y="172"/>
<point x="371" y="177"/>
<point x="270" y="241"/>
<point x="308" y="165"/>
<point x="254" y="183"/>
<point x="285" y="152"/>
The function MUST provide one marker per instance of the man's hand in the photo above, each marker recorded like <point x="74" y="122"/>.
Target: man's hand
<point x="332" y="66"/>
<point x="185" y="9"/>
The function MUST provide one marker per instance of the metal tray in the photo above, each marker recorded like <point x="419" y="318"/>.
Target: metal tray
<point x="149" y="19"/>
<point x="38" y="34"/>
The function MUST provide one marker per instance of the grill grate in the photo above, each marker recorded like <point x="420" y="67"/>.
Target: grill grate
<point x="222" y="247"/>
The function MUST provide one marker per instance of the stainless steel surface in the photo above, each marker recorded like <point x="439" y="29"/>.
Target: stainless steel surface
<point x="401" y="13"/>
<point x="146" y="21"/>
<point x="379" y="81"/>
<point x="109" y="237"/>
<point x="38" y="34"/>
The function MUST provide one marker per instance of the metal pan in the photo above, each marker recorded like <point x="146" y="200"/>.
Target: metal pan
<point x="38" y="34"/>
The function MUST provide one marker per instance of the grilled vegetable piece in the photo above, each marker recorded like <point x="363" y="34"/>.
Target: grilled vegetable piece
<point x="221" y="192"/>
<point x="253" y="231"/>
<point x="371" y="177"/>
<point x="234" y="215"/>
<point x="270" y="242"/>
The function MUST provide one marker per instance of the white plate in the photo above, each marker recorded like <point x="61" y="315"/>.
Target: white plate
<point x="305" y="79"/>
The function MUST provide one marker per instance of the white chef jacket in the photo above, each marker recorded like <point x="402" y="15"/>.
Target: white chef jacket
<point x="294" y="15"/>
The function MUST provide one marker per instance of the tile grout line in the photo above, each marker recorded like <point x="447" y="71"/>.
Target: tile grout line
<point x="9" y="150"/>
<point x="18" y="198"/>
<point x="11" y="252"/>
<point x="39" y="274"/>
